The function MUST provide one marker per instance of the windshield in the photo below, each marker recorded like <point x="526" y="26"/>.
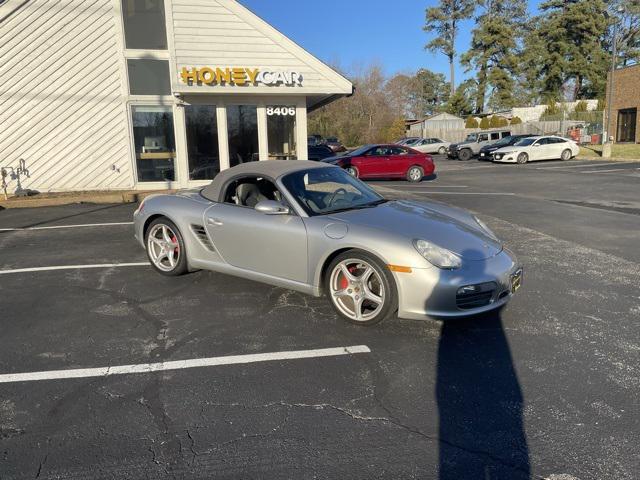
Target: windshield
<point x="360" y="151"/>
<point x="320" y="191"/>
<point x="472" y="137"/>
<point x="505" y="141"/>
<point x="525" y="142"/>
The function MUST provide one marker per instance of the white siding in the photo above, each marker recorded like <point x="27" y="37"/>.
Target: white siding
<point x="61" y="103"/>
<point x="223" y="33"/>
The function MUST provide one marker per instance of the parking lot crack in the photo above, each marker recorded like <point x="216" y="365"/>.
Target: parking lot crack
<point x="42" y="462"/>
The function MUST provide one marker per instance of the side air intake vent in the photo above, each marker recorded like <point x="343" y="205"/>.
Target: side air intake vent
<point x="201" y="234"/>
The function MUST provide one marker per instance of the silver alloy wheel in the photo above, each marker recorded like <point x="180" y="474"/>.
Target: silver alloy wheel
<point x="442" y="150"/>
<point x="352" y="171"/>
<point x="356" y="289"/>
<point x="566" y="155"/>
<point x="523" y="158"/>
<point x="415" y="174"/>
<point x="163" y="247"/>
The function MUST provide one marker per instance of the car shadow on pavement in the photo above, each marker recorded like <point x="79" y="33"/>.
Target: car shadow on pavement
<point x="480" y="403"/>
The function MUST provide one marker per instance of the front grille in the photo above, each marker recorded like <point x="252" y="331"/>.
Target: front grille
<point x="201" y="234"/>
<point x="475" y="296"/>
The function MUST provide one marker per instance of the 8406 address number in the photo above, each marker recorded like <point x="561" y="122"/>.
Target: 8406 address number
<point x="285" y="111"/>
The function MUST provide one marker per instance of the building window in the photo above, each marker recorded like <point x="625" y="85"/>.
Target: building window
<point x="281" y="132"/>
<point x="155" y="145"/>
<point x="202" y="142"/>
<point x="242" y="125"/>
<point x="148" y="77"/>
<point x="144" y="24"/>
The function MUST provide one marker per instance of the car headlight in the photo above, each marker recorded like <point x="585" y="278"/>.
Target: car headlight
<point x="437" y="256"/>
<point x="486" y="229"/>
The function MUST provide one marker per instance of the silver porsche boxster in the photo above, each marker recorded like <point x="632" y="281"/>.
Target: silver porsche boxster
<point x="313" y="228"/>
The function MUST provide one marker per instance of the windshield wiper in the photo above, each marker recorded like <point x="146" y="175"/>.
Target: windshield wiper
<point x="359" y="207"/>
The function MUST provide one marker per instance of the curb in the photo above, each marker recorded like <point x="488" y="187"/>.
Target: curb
<point x="88" y="197"/>
<point x="612" y="159"/>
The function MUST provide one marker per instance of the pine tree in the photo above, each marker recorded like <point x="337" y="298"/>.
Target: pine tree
<point x="494" y="51"/>
<point x="627" y="15"/>
<point x="444" y="20"/>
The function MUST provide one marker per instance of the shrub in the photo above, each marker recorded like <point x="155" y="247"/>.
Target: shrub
<point x="497" y="121"/>
<point x="471" y="122"/>
<point x="484" y="123"/>
<point x="516" y="121"/>
<point x="581" y="106"/>
<point x="602" y="104"/>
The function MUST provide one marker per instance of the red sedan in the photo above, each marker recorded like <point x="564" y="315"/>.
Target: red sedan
<point x="385" y="161"/>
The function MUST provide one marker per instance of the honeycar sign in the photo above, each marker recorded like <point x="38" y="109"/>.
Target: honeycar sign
<point x="239" y="76"/>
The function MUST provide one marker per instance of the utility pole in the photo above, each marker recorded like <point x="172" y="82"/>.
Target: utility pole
<point x="607" y="143"/>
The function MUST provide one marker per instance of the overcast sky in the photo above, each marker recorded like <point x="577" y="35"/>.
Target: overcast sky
<point x="348" y="32"/>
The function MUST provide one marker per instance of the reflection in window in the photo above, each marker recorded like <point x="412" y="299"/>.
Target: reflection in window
<point x="242" y="125"/>
<point x="281" y="133"/>
<point x="202" y="142"/>
<point x="144" y="24"/>
<point x="148" y="77"/>
<point x="154" y="143"/>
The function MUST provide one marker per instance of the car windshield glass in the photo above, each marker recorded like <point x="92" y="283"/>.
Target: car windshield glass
<point x="525" y="142"/>
<point x="360" y="151"/>
<point x="472" y="137"/>
<point x="321" y="191"/>
<point x="504" y="141"/>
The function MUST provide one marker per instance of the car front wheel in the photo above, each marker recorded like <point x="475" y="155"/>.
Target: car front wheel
<point x="353" y="171"/>
<point x="442" y="150"/>
<point x="465" y="155"/>
<point x="566" y="155"/>
<point x="523" y="158"/>
<point x="361" y="289"/>
<point x="165" y="248"/>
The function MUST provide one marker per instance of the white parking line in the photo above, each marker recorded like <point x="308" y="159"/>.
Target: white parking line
<point x="609" y="170"/>
<point x="585" y="165"/>
<point x="18" y="229"/>
<point x="464" y="193"/>
<point x="72" y="267"/>
<point x="181" y="364"/>
<point x="427" y="185"/>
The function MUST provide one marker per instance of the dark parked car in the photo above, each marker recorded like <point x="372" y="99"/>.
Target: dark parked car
<point x="385" y="161"/>
<point x="319" y="152"/>
<point x="313" y="140"/>
<point x="334" y="144"/>
<point x="487" y="151"/>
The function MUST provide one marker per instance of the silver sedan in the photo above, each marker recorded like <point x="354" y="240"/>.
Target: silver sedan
<point x="314" y="228"/>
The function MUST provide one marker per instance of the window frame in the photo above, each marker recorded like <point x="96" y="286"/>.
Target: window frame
<point x="168" y="31"/>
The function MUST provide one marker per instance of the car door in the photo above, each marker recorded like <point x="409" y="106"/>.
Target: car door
<point x="539" y="149"/>
<point x="373" y="163"/>
<point x="274" y="245"/>
<point x="400" y="158"/>
<point x="556" y="147"/>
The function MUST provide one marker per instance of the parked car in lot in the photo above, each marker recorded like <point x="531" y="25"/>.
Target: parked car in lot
<point x="334" y="144"/>
<point x="327" y="233"/>
<point x="537" y="148"/>
<point x="385" y="161"/>
<point x="408" y="141"/>
<point x="486" y="152"/>
<point x="313" y="140"/>
<point x="474" y="142"/>
<point x="318" y="152"/>
<point x="431" y="145"/>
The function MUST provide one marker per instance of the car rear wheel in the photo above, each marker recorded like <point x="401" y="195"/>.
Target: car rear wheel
<point x="566" y="155"/>
<point x="415" y="174"/>
<point x="361" y="288"/>
<point x="465" y="155"/>
<point x="353" y="171"/>
<point x="165" y="248"/>
<point x="523" y="158"/>
<point x="442" y="150"/>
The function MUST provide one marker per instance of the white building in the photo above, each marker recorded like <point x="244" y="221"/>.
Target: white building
<point x="149" y="94"/>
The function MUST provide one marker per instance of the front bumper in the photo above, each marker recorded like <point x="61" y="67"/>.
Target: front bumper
<point x="505" y="158"/>
<point x="432" y="292"/>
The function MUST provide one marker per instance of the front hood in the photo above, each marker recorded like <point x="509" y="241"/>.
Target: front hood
<point x="336" y="159"/>
<point x="439" y="224"/>
<point x="508" y="149"/>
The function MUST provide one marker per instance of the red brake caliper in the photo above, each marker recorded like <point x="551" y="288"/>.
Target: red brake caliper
<point x="174" y="239"/>
<point x="344" y="283"/>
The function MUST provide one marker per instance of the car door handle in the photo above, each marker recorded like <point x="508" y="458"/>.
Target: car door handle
<point x="214" y="221"/>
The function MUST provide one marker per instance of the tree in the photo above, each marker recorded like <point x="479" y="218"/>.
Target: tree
<point x="443" y="21"/>
<point x="431" y="93"/>
<point x="627" y="14"/>
<point x="460" y="103"/>
<point x="516" y="121"/>
<point x="494" y="51"/>
<point x="484" y="123"/>
<point x="471" y="122"/>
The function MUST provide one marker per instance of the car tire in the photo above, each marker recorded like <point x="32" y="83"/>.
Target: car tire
<point x="375" y="297"/>
<point x="522" y="158"/>
<point x="442" y="150"/>
<point x="566" y="155"/>
<point x="165" y="248"/>
<point x="415" y="174"/>
<point x="353" y="171"/>
<point x="465" y="154"/>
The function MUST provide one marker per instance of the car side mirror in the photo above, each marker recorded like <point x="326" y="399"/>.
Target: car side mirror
<point x="271" y="207"/>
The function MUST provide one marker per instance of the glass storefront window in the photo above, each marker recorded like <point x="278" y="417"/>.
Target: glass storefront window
<point x="202" y="142"/>
<point x="148" y="77"/>
<point x="242" y="126"/>
<point x="144" y="24"/>
<point x="281" y="132"/>
<point x="155" y="145"/>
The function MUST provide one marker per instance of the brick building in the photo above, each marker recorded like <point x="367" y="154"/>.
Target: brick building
<point x="625" y="122"/>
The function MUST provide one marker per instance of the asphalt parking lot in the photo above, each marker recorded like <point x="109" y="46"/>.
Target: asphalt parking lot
<point x="546" y="388"/>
